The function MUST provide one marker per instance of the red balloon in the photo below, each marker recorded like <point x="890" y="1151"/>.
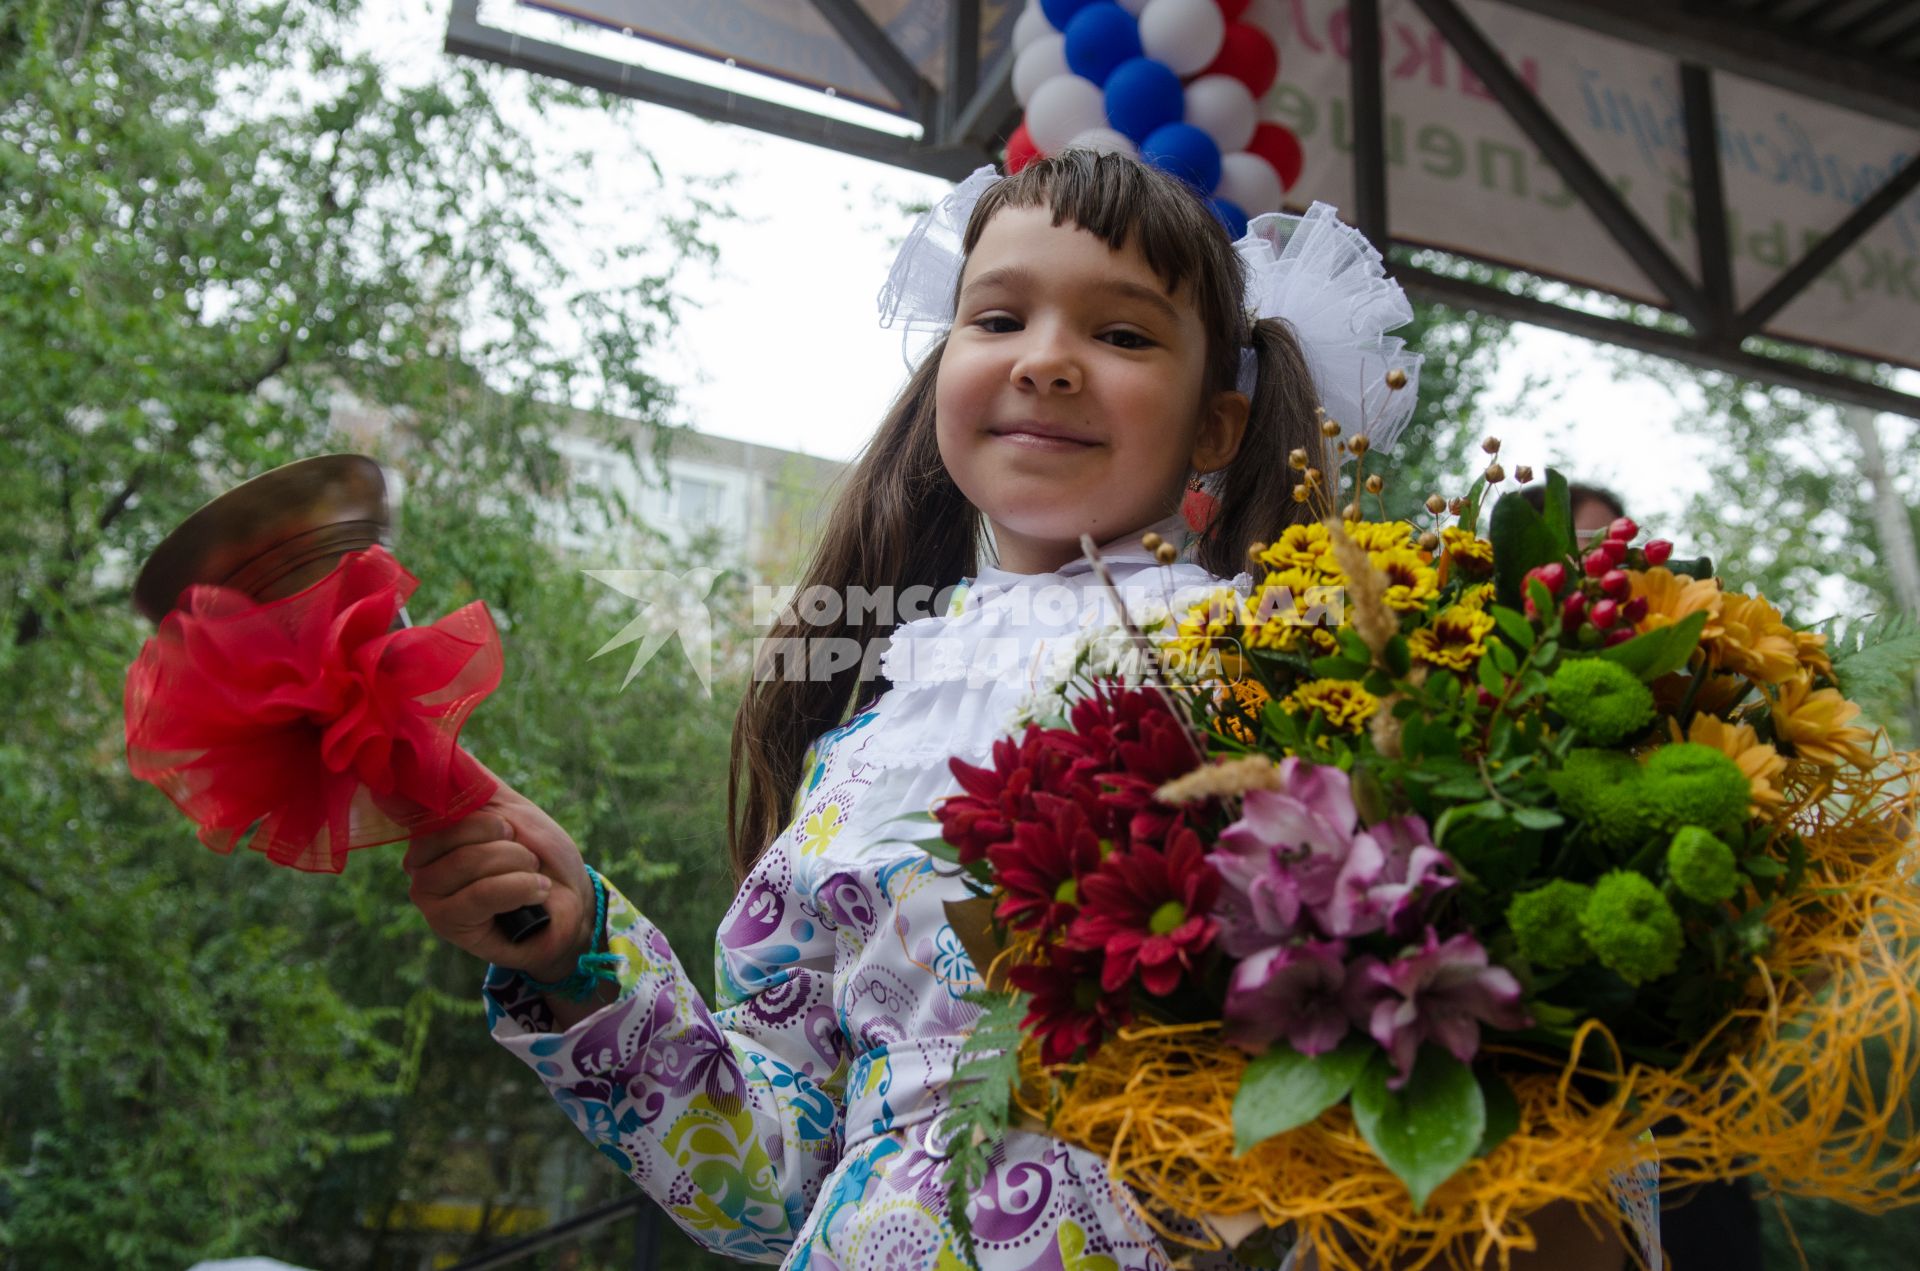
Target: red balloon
<point x="1279" y="147"/>
<point x="1233" y="8"/>
<point x="1020" y="149"/>
<point x="1249" y="56"/>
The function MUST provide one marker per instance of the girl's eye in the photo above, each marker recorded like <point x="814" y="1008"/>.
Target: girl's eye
<point x="1128" y="339"/>
<point x="997" y="324"/>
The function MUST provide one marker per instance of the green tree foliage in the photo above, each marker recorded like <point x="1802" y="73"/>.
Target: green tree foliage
<point x="218" y="224"/>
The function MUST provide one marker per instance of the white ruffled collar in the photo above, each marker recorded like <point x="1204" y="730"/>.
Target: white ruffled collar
<point x="960" y="679"/>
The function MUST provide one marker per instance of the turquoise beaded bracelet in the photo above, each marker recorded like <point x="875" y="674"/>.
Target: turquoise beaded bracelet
<point x="593" y="966"/>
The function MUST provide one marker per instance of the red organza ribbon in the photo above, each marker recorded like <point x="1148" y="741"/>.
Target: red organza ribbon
<point x="310" y="717"/>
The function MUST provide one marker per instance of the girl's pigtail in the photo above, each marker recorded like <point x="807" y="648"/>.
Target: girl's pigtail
<point x="1255" y="492"/>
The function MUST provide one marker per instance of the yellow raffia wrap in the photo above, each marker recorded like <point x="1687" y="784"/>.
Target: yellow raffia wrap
<point x="1784" y="1090"/>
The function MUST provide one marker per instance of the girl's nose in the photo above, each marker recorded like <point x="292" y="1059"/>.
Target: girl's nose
<point x="1046" y="364"/>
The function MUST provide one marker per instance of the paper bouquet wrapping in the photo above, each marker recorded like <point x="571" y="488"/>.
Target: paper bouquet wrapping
<point x="1434" y="878"/>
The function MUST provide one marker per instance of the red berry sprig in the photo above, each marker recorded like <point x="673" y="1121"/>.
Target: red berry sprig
<point x="1596" y="600"/>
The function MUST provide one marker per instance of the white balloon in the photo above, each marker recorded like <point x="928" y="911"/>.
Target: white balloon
<point x="1063" y="108"/>
<point x="1030" y="25"/>
<point x="1185" y="34"/>
<point x="1221" y="107"/>
<point x="1249" y="182"/>
<point x="1039" y="62"/>
<point x="1105" y="140"/>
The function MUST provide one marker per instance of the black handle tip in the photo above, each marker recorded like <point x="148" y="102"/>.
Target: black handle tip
<point x="523" y="923"/>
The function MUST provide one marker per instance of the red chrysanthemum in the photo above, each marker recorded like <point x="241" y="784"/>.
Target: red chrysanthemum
<point x="998" y="798"/>
<point x="1147" y="910"/>
<point x="1070" y="1013"/>
<point x="1040" y="867"/>
<point x="1135" y="746"/>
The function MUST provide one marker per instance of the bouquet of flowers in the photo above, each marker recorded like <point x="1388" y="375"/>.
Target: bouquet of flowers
<point x="1402" y="889"/>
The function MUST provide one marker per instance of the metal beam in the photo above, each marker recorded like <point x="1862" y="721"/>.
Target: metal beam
<point x="1788" y="286"/>
<point x="1709" y="196"/>
<point x="963" y="63"/>
<point x="1874" y="86"/>
<point x="1462" y="294"/>
<point x="1369" y="122"/>
<point x="1569" y="160"/>
<point x="883" y="57"/>
<point x="468" y="36"/>
<point x="992" y="114"/>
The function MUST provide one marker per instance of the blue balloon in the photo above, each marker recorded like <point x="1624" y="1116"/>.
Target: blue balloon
<point x="1060" y="12"/>
<point x="1230" y="216"/>
<point x="1185" y="152"/>
<point x="1100" y="37"/>
<point x="1144" y="94"/>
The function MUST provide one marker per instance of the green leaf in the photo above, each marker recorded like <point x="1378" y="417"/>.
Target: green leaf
<point x="1538" y="818"/>
<point x="1697" y="567"/>
<point x="1513" y="624"/>
<point x="1398" y="657"/>
<point x="1521" y="540"/>
<point x="1660" y="651"/>
<point x="1503" y="1110"/>
<point x="1330" y="667"/>
<point x="1503" y="656"/>
<point x="1557" y="513"/>
<point x="1469" y="519"/>
<point x="1284" y="1089"/>
<point x="1764" y="867"/>
<point x="1428" y="1129"/>
<point x="981" y="1099"/>
<point x="1875" y="660"/>
<point x="1490" y="677"/>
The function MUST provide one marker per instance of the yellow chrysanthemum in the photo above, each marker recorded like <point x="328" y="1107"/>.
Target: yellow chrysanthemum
<point x="1411" y="582"/>
<point x="1380" y="536"/>
<point x="1301" y="547"/>
<point x="1817" y="723"/>
<point x="1738" y="742"/>
<point x="1456" y="640"/>
<point x="1470" y="554"/>
<point x="1754" y="641"/>
<point x="1343" y="703"/>
<point x="1811" y="647"/>
<point x="1240" y="702"/>
<point x="1208" y="623"/>
<point x="1291" y="608"/>
<point x="1672" y="597"/>
<point x="1478" y="596"/>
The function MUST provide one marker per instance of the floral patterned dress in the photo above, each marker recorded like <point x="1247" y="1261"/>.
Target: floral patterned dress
<point x="798" y="1121"/>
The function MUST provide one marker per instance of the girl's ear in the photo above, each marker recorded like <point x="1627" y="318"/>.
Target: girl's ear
<point x="1221" y="428"/>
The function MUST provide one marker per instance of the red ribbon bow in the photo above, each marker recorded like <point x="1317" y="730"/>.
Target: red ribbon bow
<point x="310" y="716"/>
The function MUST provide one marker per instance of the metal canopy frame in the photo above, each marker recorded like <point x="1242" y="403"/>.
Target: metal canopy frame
<point x="960" y="128"/>
<point x="967" y="123"/>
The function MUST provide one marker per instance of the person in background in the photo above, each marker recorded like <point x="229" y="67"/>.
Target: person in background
<point x="1714" y="1225"/>
<point x="1594" y="507"/>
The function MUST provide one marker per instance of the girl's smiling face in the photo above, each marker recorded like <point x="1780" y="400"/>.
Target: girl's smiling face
<point x="1070" y="396"/>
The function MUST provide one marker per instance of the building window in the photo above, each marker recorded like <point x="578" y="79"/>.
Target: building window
<point x="697" y="502"/>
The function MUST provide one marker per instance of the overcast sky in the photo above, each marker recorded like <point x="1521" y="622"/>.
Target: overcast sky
<point x="785" y="349"/>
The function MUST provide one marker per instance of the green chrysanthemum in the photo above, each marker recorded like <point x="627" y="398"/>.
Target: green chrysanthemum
<point x="1631" y="928"/>
<point x="1691" y="784"/>
<point x="1602" y="699"/>
<point x="1601" y="789"/>
<point x="1546" y="923"/>
<point x="1701" y="866"/>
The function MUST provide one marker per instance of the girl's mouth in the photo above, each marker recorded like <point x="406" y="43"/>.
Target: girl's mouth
<point x="1037" y="436"/>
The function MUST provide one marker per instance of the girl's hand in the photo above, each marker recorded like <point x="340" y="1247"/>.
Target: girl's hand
<point x="508" y="854"/>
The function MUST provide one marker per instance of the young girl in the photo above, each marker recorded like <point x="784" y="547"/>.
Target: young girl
<point x="1090" y="373"/>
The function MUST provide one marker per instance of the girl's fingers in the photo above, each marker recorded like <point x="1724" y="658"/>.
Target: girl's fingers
<point x="464" y="866"/>
<point x="476" y="904"/>
<point x="482" y="827"/>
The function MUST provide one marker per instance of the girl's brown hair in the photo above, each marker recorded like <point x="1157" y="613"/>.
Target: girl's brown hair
<point x="900" y="522"/>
